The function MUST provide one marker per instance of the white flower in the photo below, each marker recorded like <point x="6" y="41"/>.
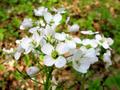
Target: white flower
<point x="59" y="10"/>
<point x="37" y="39"/>
<point x="47" y="49"/>
<point x="74" y="28"/>
<point x="67" y="20"/>
<point x="62" y="48"/>
<point x="92" y="42"/>
<point x="40" y="11"/>
<point x="82" y="59"/>
<point x="77" y="40"/>
<point x="26" y="44"/>
<point x="34" y="29"/>
<point x="71" y="44"/>
<point x="27" y="23"/>
<point x="104" y="42"/>
<point x="55" y="18"/>
<point x="107" y="58"/>
<point x="110" y="41"/>
<point x="42" y="23"/>
<point x="59" y="62"/>
<point x="48" y="30"/>
<point x="53" y="56"/>
<point x="88" y="32"/>
<point x="17" y="55"/>
<point x="69" y="40"/>
<point x="8" y="51"/>
<point x="32" y="70"/>
<point x="18" y="52"/>
<point x="48" y="17"/>
<point x="60" y="36"/>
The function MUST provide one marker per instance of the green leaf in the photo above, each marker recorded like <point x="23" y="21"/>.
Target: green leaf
<point x="2" y="34"/>
<point x="27" y="60"/>
<point x="17" y="75"/>
<point x="95" y="85"/>
<point x="113" y="81"/>
<point x="2" y="67"/>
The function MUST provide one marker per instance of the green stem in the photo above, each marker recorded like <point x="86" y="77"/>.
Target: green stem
<point x="82" y="83"/>
<point x="48" y="78"/>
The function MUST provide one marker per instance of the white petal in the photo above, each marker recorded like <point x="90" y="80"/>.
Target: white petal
<point x="98" y="37"/>
<point x="60" y="36"/>
<point x="91" y="42"/>
<point x="22" y="27"/>
<point x="80" y="67"/>
<point x="62" y="48"/>
<point x="71" y="44"/>
<point x="42" y="42"/>
<point x="83" y="49"/>
<point x="59" y="10"/>
<point x="88" y="32"/>
<point x="28" y="50"/>
<point x="77" y="40"/>
<point x="68" y="18"/>
<point x="107" y="58"/>
<point x="83" y="68"/>
<point x="47" y="49"/>
<point x="48" y="17"/>
<point x="110" y="41"/>
<point x="86" y="41"/>
<point x="27" y="22"/>
<point x="37" y="39"/>
<point x="40" y="11"/>
<point x="48" y="61"/>
<point x="8" y="51"/>
<point x="34" y="29"/>
<point x="105" y="45"/>
<point x="17" y="55"/>
<point x="32" y="70"/>
<point x="94" y="43"/>
<point x="60" y="62"/>
<point x="48" y="30"/>
<point x="25" y="42"/>
<point x="57" y="18"/>
<point x="74" y="28"/>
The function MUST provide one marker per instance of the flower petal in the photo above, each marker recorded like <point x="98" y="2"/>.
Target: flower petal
<point x="83" y="68"/>
<point x="60" y="62"/>
<point x="48" y="17"/>
<point x="32" y="70"/>
<point x="107" y="58"/>
<point x="74" y="28"/>
<point x="62" y="48"/>
<point x="57" y="18"/>
<point x="71" y="44"/>
<point x="17" y="55"/>
<point x="98" y="37"/>
<point x="48" y="61"/>
<point x="47" y="49"/>
<point x="110" y="41"/>
<point x="27" y="22"/>
<point x="89" y="32"/>
<point x="60" y="36"/>
<point x="77" y="40"/>
<point x="40" y="11"/>
<point x="105" y="45"/>
<point x="25" y="42"/>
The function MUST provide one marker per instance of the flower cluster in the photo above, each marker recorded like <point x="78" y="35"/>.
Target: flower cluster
<point x="60" y="48"/>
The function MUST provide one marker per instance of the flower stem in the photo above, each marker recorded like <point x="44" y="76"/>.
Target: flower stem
<point x="82" y="83"/>
<point x="48" y="78"/>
